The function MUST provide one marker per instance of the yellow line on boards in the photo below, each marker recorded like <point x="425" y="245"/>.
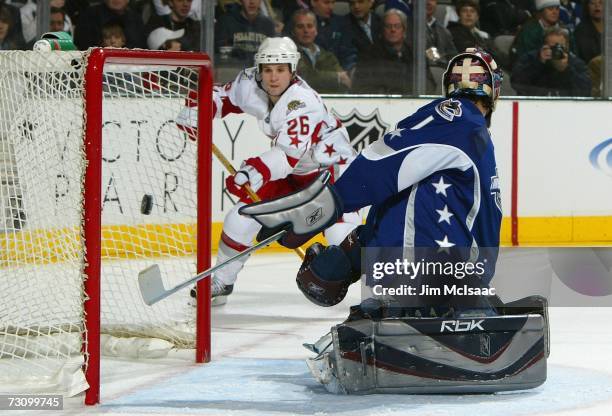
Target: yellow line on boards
<point x="154" y="240"/>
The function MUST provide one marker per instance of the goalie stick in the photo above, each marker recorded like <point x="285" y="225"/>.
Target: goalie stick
<point x="152" y="287"/>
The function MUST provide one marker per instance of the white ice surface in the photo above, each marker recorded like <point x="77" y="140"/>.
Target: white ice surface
<point x="258" y="364"/>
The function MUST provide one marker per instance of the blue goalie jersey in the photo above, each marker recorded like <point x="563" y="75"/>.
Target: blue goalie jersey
<point x="432" y="182"/>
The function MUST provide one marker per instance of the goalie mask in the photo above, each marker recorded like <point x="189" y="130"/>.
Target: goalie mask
<point x="277" y="51"/>
<point x="473" y="73"/>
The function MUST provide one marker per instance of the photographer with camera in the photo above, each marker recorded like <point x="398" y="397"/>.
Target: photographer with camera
<point x="552" y="70"/>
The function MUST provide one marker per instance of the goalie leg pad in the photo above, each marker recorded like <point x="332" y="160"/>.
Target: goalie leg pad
<point x="484" y="355"/>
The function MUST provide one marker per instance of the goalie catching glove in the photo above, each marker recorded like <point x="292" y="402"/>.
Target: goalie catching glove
<point x="327" y="272"/>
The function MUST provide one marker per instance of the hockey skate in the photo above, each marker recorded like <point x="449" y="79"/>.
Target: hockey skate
<point x="219" y="292"/>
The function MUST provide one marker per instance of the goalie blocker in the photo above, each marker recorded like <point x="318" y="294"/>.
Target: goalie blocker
<point x="379" y="350"/>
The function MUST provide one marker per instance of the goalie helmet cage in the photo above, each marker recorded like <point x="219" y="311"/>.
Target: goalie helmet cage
<point x="83" y="137"/>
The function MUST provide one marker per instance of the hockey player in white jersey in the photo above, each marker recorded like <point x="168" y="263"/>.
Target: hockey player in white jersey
<point x="306" y="139"/>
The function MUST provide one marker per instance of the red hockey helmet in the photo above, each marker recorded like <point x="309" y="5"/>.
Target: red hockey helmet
<point x="473" y="73"/>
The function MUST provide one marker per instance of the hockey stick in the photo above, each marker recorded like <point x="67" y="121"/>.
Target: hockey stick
<point x="254" y="197"/>
<point x="152" y="287"/>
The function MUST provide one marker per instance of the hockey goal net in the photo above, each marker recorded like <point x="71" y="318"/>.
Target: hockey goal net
<point x="84" y="136"/>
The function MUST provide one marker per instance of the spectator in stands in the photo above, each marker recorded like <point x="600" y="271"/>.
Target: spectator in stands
<point x="179" y="19"/>
<point x="447" y="13"/>
<point x="588" y="32"/>
<point x="465" y="32"/>
<point x="501" y="17"/>
<point x="9" y="38"/>
<point x="552" y="70"/>
<point x="161" y="9"/>
<point x="113" y="35"/>
<point x="288" y="7"/>
<point x="531" y="35"/>
<point x="57" y="23"/>
<point x="404" y="6"/>
<point x="570" y="14"/>
<point x="386" y="68"/>
<point x="243" y="29"/>
<point x="14" y="36"/>
<point x="88" y="31"/>
<point x="365" y="26"/>
<point x="595" y="70"/>
<point x="319" y="67"/>
<point x="438" y="37"/>
<point x="333" y="33"/>
<point x="265" y="9"/>
<point x="74" y="8"/>
<point x="57" y="19"/>
<point x="28" y="20"/>
<point x="165" y="39"/>
<point x="439" y="48"/>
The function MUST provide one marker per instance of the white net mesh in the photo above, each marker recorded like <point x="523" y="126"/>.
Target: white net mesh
<point x="41" y="199"/>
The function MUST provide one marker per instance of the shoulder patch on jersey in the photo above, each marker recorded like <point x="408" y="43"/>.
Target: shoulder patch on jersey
<point x="449" y="109"/>
<point x="246" y="75"/>
<point x="295" y="105"/>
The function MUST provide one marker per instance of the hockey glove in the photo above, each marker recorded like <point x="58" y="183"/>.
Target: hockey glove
<point x="327" y="272"/>
<point x="187" y="118"/>
<point x="253" y="171"/>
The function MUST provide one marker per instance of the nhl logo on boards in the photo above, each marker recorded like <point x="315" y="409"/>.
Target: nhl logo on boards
<point x="363" y="129"/>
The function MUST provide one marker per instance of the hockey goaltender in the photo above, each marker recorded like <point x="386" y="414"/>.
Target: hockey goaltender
<point x="432" y="183"/>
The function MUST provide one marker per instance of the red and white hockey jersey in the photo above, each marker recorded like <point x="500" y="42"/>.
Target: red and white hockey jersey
<point x="306" y="137"/>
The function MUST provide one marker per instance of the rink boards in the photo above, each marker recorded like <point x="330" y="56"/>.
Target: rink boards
<point x="554" y="160"/>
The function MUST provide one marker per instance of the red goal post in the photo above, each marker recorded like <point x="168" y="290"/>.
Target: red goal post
<point x="97" y="60"/>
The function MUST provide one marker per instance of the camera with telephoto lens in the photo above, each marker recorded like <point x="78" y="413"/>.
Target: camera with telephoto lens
<point x="558" y="52"/>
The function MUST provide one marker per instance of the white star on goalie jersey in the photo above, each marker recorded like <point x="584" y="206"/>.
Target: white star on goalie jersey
<point x="441" y="186"/>
<point x="395" y="133"/>
<point x="444" y="214"/>
<point x="444" y="243"/>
